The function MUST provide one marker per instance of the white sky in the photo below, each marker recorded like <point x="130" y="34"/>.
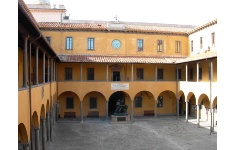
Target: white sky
<point x="191" y="12"/>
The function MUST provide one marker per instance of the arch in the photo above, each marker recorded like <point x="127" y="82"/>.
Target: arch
<point x="69" y="102"/>
<point x="47" y="106"/>
<point x="22" y="134"/>
<point x="214" y="104"/>
<point x="203" y="98"/>
<point x="180" y="93"/>
<point x="166" y="103"/>
<point x="114" y="97"/>
<point x="43" y="112"/>
<point x="190" y="94"/>
<point x="35" y="119"/>
<point x="182" y="102"/>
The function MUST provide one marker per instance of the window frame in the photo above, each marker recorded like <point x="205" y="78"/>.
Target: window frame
<point x="179" y="74"/>
<point x="177" y="46"/>
<point x="90" y="43"/>
<point x="191" y="74"/>
<point x="67" y="103"/>
<point x="191" y="45"/>
<point x="138" y="102"/>
<point x="48" y="39"/>
<point x="93" y="103"/>
<point x="139" y="74"/>
<point x="69" y="44"/>
<point x="201" y="42"/>
<point x="68" y="77"/>
<point x="90" y="74"/>
<point x="160" y="47"/>
<point x="140" y="47"/>
<point x="213" y="38"/>
<point x="160" y="74"/>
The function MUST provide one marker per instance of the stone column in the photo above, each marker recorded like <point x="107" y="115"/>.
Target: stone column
<point x="26" y="146"/>
<point x="187" y="111"/>
<point x="25" y="60"/>
<point x="48" y="127"/>
<point x="37" y="66"/>
<point x="198" y="113"/>
<point x="132" y="111"/>
<point x="43" y="121"/>
<point x="107" y="110"/>
<point x="81" y="111"/>
<point x="51" y="78"/>
<point x="36" y="131"/>
<point x="51" y="119"/>
<point x="54" y="72"/>
<point x="207" y="114"/>
<point x="213" y="117"/>
<point x="44" y="53"/>
<point x="197" y="71"/>
<point x="81" y="72"/>
<point x="186" y="69"/>
<point x="155" y="108"/>
<point x="106" y="72"/>
<point x="155" y="72"/>
<point x="177" y="100"/>
<point x="132" y="72"/>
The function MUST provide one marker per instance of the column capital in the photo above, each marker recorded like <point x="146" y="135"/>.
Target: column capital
<point x="43" y="118"/>
<point x="25" y="36"/>
<point x="36" y="128"/>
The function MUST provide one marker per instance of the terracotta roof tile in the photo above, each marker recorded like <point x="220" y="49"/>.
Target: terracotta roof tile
<point x="126" y="26"/>
<point x="207" y="55"/>
<point x="118" y="59"/>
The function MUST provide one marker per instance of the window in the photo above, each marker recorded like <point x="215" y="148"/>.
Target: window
<point x="138" y="102"/>
<point x="69" y="42"/>
<point x="68" y="74"/>
<point x="213" y="38"/>
<point x="160" y="101"/>
<point x="90" y="43"/>
<point x="90" y="73"/>
<point x="179" y="74"/>
<point x="200" y="73"/>
<point x="140" y="45"/>
<point x="192" y="46"/>
<point x="160" y="73"/>
<point x="200" y="42"/>
<point x="191" y="74"/>
<point x="93" y="103"/>
<point x="139" y="73"/>
<point x="48" y="38"/>
<point x="177" y="46"/>
<point x="69" y="103"/>
<point x="159" y="45"/>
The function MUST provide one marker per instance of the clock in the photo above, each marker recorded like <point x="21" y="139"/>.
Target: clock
<point x="116" y="44"/>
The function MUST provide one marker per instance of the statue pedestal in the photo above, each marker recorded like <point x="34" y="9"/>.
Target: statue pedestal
<point x="120" y="119"/>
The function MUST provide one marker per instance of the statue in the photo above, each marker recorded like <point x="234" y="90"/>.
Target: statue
<point x="121" y="108"/>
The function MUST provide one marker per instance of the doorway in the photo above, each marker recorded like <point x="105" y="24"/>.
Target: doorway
<point x="113" y="100"/>
<point x="116" y="76"/>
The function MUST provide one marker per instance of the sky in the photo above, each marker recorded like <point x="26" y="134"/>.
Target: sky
<point x="188" y="12"/>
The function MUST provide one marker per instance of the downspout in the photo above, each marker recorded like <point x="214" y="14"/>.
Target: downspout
<point x="30" y="99"/>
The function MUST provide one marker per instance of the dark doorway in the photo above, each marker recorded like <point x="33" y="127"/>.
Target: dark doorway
<point x="116" y="76"/>
<point x="113" y="100"/>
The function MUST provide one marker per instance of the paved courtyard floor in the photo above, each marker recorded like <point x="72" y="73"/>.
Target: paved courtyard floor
<point x="145" y="133"/>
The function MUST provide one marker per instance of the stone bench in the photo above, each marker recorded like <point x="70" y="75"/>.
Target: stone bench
<point x="69" y="115"/>
<point x="148" y="113"/>
<point x="93" y="114"/>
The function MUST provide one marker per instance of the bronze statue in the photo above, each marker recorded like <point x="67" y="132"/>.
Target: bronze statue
<point x="121" y="108"/>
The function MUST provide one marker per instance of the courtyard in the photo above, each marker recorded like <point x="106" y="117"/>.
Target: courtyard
<point x="145" y="133"/>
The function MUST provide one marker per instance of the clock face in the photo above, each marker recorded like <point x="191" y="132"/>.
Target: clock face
<point x="116" y="44"/>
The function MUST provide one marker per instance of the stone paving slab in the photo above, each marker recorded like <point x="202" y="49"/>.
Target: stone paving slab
<point x="145" y="133"/>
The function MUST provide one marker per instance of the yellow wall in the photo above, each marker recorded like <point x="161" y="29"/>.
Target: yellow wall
<point x="129" y="43"/>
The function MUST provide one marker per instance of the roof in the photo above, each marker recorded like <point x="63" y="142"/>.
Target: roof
<point x="208" y="24"/>
<point x="28" y="26"/>
<point x="118" y="59"/>
<point x="137" y="27"/>
<point x="207" y="55"/>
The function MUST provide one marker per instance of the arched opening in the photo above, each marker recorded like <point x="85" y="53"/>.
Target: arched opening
<point x="22" y="134"/>
<point x="113" y="100"/>
<point x="166" y="104"/>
